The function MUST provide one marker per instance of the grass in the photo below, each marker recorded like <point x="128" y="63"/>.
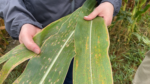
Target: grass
<point x="125" y="65"/>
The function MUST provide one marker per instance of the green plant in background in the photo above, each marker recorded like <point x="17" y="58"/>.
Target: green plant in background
<point x="126" y="55"/>
<point x="68" y="37"/>
<point x="131" y="15"/>
<point x="137" y="12"/>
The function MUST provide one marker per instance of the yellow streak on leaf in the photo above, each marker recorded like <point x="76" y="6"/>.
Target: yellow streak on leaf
<point x="87" y="43"/>
<point x="76" y="64"/>
<point x="98" y="40"/>
<point x="103" y="82"/>
<point x="96" y="57"/>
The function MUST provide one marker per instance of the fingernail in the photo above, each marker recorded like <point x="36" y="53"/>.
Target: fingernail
<point x="36" y="51"/>
<point x="85" y="16"/>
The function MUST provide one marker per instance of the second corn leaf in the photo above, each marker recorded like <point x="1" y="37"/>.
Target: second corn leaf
<point x="91" y="63"/>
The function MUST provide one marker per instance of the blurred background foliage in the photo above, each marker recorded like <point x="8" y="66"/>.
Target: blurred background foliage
<point x="3" y="37"/>
<point x="129" y="41"/>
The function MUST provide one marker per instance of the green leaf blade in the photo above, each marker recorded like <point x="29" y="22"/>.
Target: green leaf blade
<point x="14" y="52"/>
<point x="92" y="64"/>
<point x="102" y="72"/>
<point x="56" y="50"/>
<point x="13" y="62"/>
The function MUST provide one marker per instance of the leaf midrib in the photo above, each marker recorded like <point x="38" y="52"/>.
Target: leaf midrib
<point x="50" y="67"/>
<point x="90" y="51"/>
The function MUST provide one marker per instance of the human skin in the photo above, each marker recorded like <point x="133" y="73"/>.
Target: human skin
<point x="27" y="32"/>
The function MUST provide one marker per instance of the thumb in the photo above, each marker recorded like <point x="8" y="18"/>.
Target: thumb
<point x="30" y="44"/>
<point x="91" y="16"/>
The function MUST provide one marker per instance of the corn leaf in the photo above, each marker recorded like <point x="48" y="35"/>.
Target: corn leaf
<point x="16" y="51"/>
<point x="12" y="63"/>
<point x="56" y="49"/>
<point x="92" y="63"/>
<point x="56" y="54"/>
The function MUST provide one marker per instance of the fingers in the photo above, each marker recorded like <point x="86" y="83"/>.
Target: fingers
<point x="29" y="43"/>
<point x="108" y="20"/>
<point x="92" y="15"/>
<point x="104" y="10"/>
<point x="26" y="37"/>
<point x="38" y="30"/>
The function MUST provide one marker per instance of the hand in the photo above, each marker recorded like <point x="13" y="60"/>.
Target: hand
<point x="104" y="10"/>
<point x="26" y="37"/>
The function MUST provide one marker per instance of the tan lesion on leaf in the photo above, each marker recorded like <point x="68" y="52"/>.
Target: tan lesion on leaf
<point x="59" y="72"/>
<point x="55" y="70"/>
<point x="46" y="67"/>
<point x="49" y="80"/>
<point x="64" y="40"/>
<point x="56" y="27"/>
<point x="44" y="57"/>
<point x="67" y="45"/>
<point x="57" y="80"/>
<point x="52" y="43"/>
<point x="49" y="59"/>
<point x="27" y="81"/>
<point x="42" y="68"/>
<point x="14" y="52"/>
